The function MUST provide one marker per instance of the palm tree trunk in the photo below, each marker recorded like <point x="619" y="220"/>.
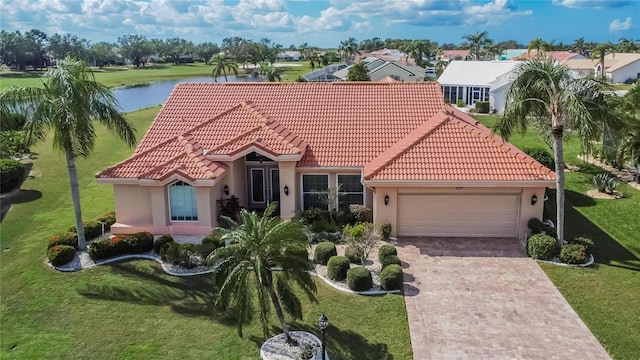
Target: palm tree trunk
<point x="559" y="159"/>
<point x="279" y="313"/>
<point x="75" y="195"/>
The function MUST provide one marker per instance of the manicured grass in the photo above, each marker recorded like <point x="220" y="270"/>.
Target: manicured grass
<point x="605" y="295"/>
<point x="133" y="310"/>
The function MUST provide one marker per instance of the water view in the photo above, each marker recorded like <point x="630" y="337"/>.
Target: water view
<point x="153" y="93"/>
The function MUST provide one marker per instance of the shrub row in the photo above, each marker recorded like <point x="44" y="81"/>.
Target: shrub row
<point x="187" y="255"/>
<point x="61" y="254"/>
<point x="92" y="230"/>
<point x="121" y="245"/>
<point x="544" y="247"/>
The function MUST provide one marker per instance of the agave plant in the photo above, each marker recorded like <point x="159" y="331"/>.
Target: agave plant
<point x="605" y="183"/>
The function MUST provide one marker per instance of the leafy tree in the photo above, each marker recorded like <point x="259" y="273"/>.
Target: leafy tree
<point x="348" y="49"/>
<point x="137" y="48"/>
<point x="23" y="49"/>
<point x="271" y="72"/>
<point x="545" y="91"/>
<point x="358" y="72"/>
<point x="263" y="260"/>
<point x="221" y="64"/>
<point x="172" y="49"/>
<point x="101" y="53"/>
<point x="69" y="104"/>
<point x="476" y="43"/>
<point x="65" y="45"/>
<point x="579" y="46"/>
<point x="206" y="51"/>
<point x="363" y="238"/>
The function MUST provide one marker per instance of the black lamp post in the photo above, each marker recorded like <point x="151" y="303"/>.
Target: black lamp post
<point x="323" y="322"/>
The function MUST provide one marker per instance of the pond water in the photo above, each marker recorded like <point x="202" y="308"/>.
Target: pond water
<point x="153" y="93"/>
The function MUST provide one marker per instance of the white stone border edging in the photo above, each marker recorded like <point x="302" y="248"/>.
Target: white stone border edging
<point x="269" y="349"/>
<point x="367" y="293"/>
<point x="588" y="263"/>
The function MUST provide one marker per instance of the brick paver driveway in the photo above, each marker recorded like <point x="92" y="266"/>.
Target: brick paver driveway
<point x="484" y="299"/>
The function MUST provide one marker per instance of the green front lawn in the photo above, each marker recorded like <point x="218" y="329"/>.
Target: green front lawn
<point x="605" y="295"/>
<point x="133" y="310"/>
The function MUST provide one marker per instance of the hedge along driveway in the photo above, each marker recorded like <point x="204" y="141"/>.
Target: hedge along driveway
<point x="133" y="310"/>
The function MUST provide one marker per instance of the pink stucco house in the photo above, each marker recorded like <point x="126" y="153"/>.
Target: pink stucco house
<point x="421" y="165"/>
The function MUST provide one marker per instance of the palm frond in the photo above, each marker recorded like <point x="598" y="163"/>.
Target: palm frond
<point x="290" y="302"/>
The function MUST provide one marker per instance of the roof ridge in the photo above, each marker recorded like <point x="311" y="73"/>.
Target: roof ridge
<point x="135" y="156"/>
<point x="236" y="138"/>
<point x="404" y="144"/>
<point x="211" y="119"/>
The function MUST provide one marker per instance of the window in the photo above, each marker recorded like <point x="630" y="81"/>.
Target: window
<point x="313" y="187"/>
<point x="352" y="189"/>
<point x="485" y="97"/>
<point x="183" y="205"/>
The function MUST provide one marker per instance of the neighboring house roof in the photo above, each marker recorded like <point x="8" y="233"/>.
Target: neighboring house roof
<point x="559" y="56"/>
<point x="509" y="54"/>
<point x="453" y="54"/>
<point x="612" y="62"/>
<point x="395" y="131"/>
<point x="375" y="65"/>
<point x="474" y="73"/>
<point x="387" y="55"/>
<point x="325" y="74"/>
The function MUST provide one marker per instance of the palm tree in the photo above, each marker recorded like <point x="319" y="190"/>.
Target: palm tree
<point x="540" y="46"/>
<point x="628" y="45"/>
<point x="68" y="105"/>
<point x="599" y="52"/>
<point x="476" y="43"/>
<point x="265" y="256"/>
<point x="222" y="64"/>
<point x="545" y="91"/>
<point x="271" y="72"/>
<point x="579" y="46"/>
<point x="348" y="49"/>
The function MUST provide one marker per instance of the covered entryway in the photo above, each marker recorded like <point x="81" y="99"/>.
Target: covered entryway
<point x="453" y="215"/>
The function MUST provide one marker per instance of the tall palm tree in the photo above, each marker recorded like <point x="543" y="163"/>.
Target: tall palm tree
<point x="348" y="49"/>
<point x="579" y="46"/>
<point x="539" y="45"/>
<point x="628" y="45"/>
<point x="221" y="64"/>
<point x="69" y="104"/>
<point x="599" y="52"/>
<point x="476" y="43"/>
<point x="264" y="259"/>
<point x="545" y="91"/>
<point x="271" y="72"/>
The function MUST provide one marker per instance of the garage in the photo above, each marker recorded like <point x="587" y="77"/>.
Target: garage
<point x="449" y="215"/>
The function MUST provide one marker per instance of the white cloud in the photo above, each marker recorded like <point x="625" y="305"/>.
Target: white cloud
<point x="593" y="4"/>
<point x="619" y="25"/>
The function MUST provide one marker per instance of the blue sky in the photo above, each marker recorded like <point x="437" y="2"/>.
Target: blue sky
<point x="326" y="23"/>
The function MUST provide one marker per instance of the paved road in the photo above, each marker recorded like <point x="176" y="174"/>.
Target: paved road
<point x="484" y="299"/>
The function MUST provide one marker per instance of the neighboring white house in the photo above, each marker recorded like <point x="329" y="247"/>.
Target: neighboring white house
<point x="474" y="81"/>
<point x="325" y="74"/>
<point x="379" y="69"/>
<point x="618" y="66"/>
<point x="289" y="56"/>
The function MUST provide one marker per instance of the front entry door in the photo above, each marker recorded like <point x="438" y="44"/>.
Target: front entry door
<point x="264" y="185"/>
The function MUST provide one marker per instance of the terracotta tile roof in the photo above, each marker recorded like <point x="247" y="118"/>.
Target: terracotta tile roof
<point x="452" y="146"/>
<point x="394" y="130"/>
<point x="559" y="56"/>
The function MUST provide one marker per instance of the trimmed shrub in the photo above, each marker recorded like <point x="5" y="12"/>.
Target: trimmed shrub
<point x="69" y="238"/>
<point x="322" y="225"/>
<point x="386" y="250"/>
<point x="460" y="103"/>
<point x="542" y="247"/>
<point x="359" y="279"/>
<point x="482" y="107"/>
<point x="59" y="255"/>
<point x="324" y="251"/>
<point x="13" y="144"/>
<point x="535" y="225"/>
<point x="353" y="254"/>
<point x="121" y="245"/>
<point x="362" y="213"/>
<point x="391" y="277"/>
<point x="541" y="155"/>
<point x="588" y="244"/>
<point x="390" y="260"/>
<point x="107" y="219"/>
<point x="573" y="254"/>
<point x="337" y="268"/>
<point x="11" y="174"/>
<point x="385" y="231"/>
<point x="159" y="242"/>
<point x="311" y="215"/>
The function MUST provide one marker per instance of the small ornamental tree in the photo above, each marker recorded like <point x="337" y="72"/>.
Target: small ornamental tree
<point x="362" y="237"/>
<point x="358" y="72"/>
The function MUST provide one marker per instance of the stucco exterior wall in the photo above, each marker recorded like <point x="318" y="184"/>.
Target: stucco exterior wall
<point x="385" y="213"/>
<point x="630" y="71"/>
<point x="133" y="205"/>
<point x="288" y="177"/>
<point x="393" y="71"/>
<point x="236" y="179"/>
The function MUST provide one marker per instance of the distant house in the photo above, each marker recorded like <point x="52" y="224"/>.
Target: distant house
<point x="618" y="67"/>
<point x="387" y="55"/>
<point x="474" y="81"/>
<point x="379" y="69"/>
<point x="289" y="56"/>
<point x="559" y="56"/>
<point x="451" y="55"/>
<point x="325" y="74"/>
<point x="510" y="54"/>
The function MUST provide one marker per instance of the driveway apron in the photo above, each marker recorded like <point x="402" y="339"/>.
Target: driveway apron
<point x="484" y="299"/>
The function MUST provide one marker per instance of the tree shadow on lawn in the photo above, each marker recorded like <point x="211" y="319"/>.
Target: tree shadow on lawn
<point x="341" y="344"/>
<point x="607" y="250"/>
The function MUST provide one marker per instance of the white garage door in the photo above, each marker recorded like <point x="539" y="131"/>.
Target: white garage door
<point x="458" y="215"/>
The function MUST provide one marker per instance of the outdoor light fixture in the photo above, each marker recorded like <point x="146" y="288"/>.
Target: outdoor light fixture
<point x="323" y="322"/>
<point x="534" y="199"/>
<point x="226" y="189"/>
<point x="286" y="190"/>
<point x="386" y="199"/>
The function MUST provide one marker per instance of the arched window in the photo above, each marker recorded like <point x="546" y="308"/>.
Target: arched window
<point x="183" y="205"/>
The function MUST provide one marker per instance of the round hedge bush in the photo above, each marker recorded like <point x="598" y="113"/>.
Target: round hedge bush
<point x="386" y="250"/>
<point x="390" y="260"/>
<point x="573" y="254"/>
<point x="391" y="277"/>
<point x="11" y="174"/>
<point x="164" y="239"/>
<point x="542" y="247"/>
<point x="324" y="251"/>
<point x="59" y="255"/>
<point x="584" y="241"/>
<point x="337" y="268"/>
<point x="359" y="279"/>
<point x="353" y="255"/>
